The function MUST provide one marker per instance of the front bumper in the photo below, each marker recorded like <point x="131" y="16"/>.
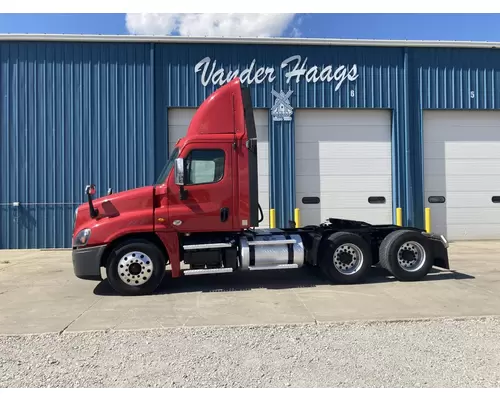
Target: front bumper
<point x="87" y="262"/>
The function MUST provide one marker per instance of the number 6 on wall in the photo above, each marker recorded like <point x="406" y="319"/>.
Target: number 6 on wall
<point x="472" y="94"/>
<point x="352" y="93"/>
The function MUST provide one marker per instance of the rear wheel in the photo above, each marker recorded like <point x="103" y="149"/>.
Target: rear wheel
<point x="406" y="254"/>
<point x="346" y="257"/>
<point x="135" y="268"/>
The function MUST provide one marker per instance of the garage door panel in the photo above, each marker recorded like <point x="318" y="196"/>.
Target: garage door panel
<point x="342" y="118"/>
<point x="466" y="231"/>
<point x="472" y="216"/>
<point x="464" y="167"/>
<point x="381" y="216"/>
<point x="261" y="117"/>
<point x="463" y="117"/>
<point x="264" y="199"/>
<point x="463" y="199"/>
<point x="354" y="183"/>
<point x="471" y="232"/>
<point x="462" y="150"/>
<point x="454" y="183"/>
<point x="463" y="134"/>
<point x="262" y="153"/>
<point x="263" y="184"/>
<point x="336" y="166"/>
<point x="368" y="150"/>
<point x="340" y="198"/>
<point x="346" y="134"/>
<point x="180" y="116"/>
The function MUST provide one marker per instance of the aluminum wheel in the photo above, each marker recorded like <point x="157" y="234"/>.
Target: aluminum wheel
<point x="411" y="256"/>
<point x="348" y="259"/>
<point x="135" y="268"/>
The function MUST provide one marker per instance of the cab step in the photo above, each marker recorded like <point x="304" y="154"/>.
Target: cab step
<point x="207" y="271"/>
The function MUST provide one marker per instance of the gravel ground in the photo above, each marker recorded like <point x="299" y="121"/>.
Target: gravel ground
<point x="440" y="353"/>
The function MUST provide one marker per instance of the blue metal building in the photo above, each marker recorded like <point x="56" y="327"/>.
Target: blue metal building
<point x="81" y="109"/>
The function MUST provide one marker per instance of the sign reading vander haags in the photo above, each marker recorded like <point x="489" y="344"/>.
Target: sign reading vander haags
<point x="298" y="69"/>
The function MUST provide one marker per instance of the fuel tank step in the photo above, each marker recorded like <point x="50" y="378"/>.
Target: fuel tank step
<point x="273" y="267"/>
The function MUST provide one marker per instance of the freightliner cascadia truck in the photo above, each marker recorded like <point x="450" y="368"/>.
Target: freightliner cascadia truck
<point x="203" y="211"/>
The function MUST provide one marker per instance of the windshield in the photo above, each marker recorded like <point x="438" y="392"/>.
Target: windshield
<point x="168" y="166"/>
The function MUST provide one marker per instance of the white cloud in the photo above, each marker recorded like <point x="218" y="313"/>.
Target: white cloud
<point x="250" y="25"/>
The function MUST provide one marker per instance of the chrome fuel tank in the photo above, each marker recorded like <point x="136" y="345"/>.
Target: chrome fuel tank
<point x="269" y="251"/>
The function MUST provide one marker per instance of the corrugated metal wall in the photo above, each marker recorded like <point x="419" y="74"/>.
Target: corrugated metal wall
<point x="71" y="114"/>
<point x="74" y="113"/>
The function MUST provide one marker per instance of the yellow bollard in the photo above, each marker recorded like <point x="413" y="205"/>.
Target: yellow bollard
<point x="428" y="220"/>
<point x="272" y="218"/>
<point x="297" y="218"/>
<point x="399" y="216"/>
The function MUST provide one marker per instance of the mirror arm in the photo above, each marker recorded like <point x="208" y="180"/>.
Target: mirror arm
<point x="90" y="190"/>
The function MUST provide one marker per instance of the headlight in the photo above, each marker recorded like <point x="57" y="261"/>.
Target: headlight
<point x="81" y="238"/>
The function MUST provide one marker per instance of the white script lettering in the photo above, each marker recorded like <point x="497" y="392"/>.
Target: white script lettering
<point x="220" y="77"/>
<point x="294" y="65"/>
<point x="311" y="75"/>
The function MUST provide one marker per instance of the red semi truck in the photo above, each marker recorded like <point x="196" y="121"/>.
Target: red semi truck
<point x="204" y="211"/>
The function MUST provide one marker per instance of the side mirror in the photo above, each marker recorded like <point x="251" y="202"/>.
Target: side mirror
<point x="179" y="171"/>
<point x="90" y="190"/>
<point x="179" y="177"/>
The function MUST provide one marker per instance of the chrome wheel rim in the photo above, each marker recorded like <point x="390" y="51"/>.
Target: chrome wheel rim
<point x="411" y="256"/>
<point x="348" y="259"/>
<point x="135" y="268"/>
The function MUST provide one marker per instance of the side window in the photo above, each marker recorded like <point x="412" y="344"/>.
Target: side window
<point x="204" y="166"/>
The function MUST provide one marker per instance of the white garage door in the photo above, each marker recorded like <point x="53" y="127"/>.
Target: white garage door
<point x="178" y="122"/>
<point x="343" y="158"/>
<point x="462" y="168"/>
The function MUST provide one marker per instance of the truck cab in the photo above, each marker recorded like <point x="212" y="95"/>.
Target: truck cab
<point x="203" y="211"/>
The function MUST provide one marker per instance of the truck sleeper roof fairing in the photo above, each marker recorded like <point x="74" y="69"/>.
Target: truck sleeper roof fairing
<point x="220" y="113"/>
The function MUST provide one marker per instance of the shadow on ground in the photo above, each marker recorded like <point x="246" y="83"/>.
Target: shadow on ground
<point x="271" y="280"/>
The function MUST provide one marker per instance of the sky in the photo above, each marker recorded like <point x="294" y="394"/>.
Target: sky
<point x="476" y="27"/>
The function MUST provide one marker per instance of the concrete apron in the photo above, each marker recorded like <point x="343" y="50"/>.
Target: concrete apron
<point x="39" y="293"/>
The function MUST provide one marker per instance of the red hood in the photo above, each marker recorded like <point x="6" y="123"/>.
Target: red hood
<point x="114" y="205"/>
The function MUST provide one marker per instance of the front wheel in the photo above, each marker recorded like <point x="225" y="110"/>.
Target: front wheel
<point x="135" y="268"/>
<point x="346" y="258"/>
<point x="406" y="254"/>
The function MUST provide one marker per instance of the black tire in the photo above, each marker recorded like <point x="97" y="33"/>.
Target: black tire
<point x="344" y="241"/>
<point x="147" y="262"/>
<point x="407" y="244"/>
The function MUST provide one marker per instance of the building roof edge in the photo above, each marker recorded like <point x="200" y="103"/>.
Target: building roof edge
<point x="245" y="40"/>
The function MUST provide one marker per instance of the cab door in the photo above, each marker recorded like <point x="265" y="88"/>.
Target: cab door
<point x="208" y="202"/>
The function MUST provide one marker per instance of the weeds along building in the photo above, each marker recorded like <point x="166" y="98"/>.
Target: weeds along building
<point x="346" y="128"/>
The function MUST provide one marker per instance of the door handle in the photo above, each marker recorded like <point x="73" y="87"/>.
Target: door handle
<point x="224" y="214"/>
